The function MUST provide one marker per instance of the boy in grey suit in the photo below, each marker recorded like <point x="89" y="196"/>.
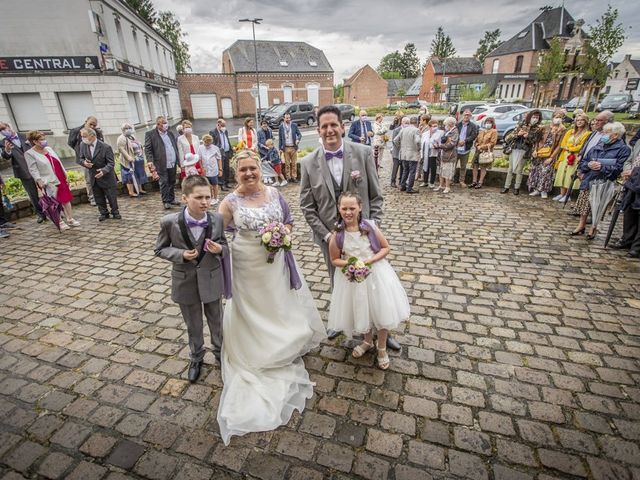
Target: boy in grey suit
<point x="193" y="240"/>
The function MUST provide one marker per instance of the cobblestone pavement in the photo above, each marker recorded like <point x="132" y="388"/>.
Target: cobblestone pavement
<point x="520" y="360"/>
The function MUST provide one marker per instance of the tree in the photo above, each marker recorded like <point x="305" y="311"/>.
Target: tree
<point x="401" y="92"/>
<point x="144" y="8"/>
<point x="487" y="44"/>
<point x="391" y="75"/>
<point x="606" y="37"/>
<point x="470" y="93"/>
<point x="169" y="27"/>
<point x="410" y="61"/>
<point x="551" y="64"/>
<point x="391" y="62"/>
<point x="442" y="46"/>
<point x="338" y="93"/>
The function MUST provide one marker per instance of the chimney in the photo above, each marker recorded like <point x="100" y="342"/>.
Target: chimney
<point x="627" y="57"/>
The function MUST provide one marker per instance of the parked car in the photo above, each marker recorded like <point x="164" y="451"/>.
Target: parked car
<point x="506" y="122"/>
<point x="398" y="105"/>
<point x="301" y="113"/>
<point x="347" y="111"/>
<point x="264" y="111"/>
<point x="415" y="104"/>
<point x="579" y="102"/>
<point x="494" y="109"/>
<point x="457" y="108"/>
<point x="616" y="102"/>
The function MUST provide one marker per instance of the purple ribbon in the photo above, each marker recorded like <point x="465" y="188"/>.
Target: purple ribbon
<point x="294" y="279"/>
<point x="365" y="226"/>
<point x="225" y="260"/>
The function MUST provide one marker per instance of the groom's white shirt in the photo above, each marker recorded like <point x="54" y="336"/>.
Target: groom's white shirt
<point x="336" y="165"/>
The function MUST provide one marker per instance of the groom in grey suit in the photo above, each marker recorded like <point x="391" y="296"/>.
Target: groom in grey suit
<point x="331" y="169"/>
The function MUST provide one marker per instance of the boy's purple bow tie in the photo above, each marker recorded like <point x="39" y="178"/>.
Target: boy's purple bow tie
<point x="198" y="223"/>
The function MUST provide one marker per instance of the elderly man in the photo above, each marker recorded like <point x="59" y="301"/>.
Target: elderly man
<point x="221" y="140"/>
<point x="361" y="131"/>
<point x="14" y="145"/>
<point x="468" y="132"/>
<point x="408" y="143"/>
<point x="97" y="157"/>
<point x="74" y="141"/>
<point x="631" y="205"/>
<point x="161" y="149"/>
<point x="289" y="137"/>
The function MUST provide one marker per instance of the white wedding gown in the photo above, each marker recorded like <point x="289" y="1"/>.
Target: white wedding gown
<point x="267" y="327"/>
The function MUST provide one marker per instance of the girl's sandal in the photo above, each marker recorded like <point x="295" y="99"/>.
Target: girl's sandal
<point x="383" y="358"/>
<point x="361" y="349"/>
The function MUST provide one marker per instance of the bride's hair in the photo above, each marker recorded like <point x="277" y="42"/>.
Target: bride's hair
<point x="362" y="226"/>
<point x="241" y="155"/>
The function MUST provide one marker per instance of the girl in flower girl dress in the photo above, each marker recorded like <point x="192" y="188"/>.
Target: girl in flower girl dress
<point x="367" y="297"/>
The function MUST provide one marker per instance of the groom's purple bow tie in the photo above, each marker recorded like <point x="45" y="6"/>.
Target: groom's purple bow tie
<point x="198" y="223"/>
<point x="329" y="155"/>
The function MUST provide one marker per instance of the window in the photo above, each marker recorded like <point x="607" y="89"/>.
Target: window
<point x="76" y="107"/>
<point x="626" y="74"/>
<point x="146" y="40"/>
<point x="167" y="105"/>
<point x="313" y="63"/>
<point x="615" y="74"/>
<point x="158" y="58"/>
<point x="123" y="45"/>
<point x="288" y="93"/>
<point x="519" y="61"/>
<point x="519" y="87"/>
<point x="28" y="111"/>
<point x="264" y="96"/>
<point x="313" y="93"/>
<point x="284" y="63"/>
<point x="445" y="80"/>
<point x="147" y="104"/>
<point x="137" y="44"/>
<point x="523" y="34"/>
<point x="306" y="107"/>
<point x="134" y="108"/>
<point x="496" y="66"/>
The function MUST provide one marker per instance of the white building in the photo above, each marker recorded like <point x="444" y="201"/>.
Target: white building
<point x="625" y="75"/>
<point x="83" y="57"/>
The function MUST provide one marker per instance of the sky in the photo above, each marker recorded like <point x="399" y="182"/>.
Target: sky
<point x="354" y="33"/>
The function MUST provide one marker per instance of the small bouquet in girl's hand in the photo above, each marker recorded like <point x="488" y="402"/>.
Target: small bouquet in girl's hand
<point x="356" y="270"/>
<point x="275" y="236"/>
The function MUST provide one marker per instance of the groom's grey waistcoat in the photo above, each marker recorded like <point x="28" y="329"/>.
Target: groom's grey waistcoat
<point x="192" y="282"/>
<point x="318" y="199"/>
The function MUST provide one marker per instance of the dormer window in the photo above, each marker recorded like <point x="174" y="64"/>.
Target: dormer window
<point x="313" y="63"/>
<point x="283" y="63"/>
<point x="523" y="34"/>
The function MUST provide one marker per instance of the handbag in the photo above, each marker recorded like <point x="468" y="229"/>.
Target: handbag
<point x="485" y="158"/>
<point x="543" y="152"/>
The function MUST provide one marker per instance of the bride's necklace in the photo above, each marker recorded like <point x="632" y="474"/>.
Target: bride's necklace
<point x="251" y="195"/>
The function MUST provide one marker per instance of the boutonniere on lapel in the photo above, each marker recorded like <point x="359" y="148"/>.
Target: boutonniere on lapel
<point x="356" y="177"/>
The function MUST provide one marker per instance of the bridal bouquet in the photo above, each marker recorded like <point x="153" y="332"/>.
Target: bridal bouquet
<point x="275" y="236"/>
<point x="356" y="270"/>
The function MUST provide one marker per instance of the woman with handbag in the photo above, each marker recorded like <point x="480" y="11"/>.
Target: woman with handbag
<point x="483" y="158"/>
<point x="540" y="180"/>
<point x="570" y="146"/>
<point x="448" y="154"/>
<point x="520" y="142"/>
<point x="127" y="160"/>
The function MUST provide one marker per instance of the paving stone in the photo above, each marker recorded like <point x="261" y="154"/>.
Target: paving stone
<point x="156" y="465"/>
<point x="296" y="445"/>
<point x="621" y="450"/>
<point x="436" y="432"/>
<point x="396" y="422"/>
<point x="513" y="452"/>
<point x="232" y="458"/>
<point x="420" y="406"/>
<point x="351" y="434"/>
<point x="602" y="469"/>
<point x="191" y="471"/>
<point x="71" y="435"/>
<point x="384" y="443"/>
<point x="87" y="471"/>
<point x="404" y="472"/>
<point x="467" y="439"/>
<point x="370" y="467"/>
<point x="535" y="432"/>
<point x="24" y="455"/>
<point x="319" y="425"/>
<point x="55" y="465"/>
<point x="502" y="472"/>
<point x="44" y="427"/>
<point x="561" y="461"/>
<point x="456" y="414"/>
<point x="493" y="422"/>
<point x="467" y="465"/>
<point x="422" y="453"/>
<point x="336" y="457"/>
<point x="98" y="445"/>
<point x="125" y="454"/>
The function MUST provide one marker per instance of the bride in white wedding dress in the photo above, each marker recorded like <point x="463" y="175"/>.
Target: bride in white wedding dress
<point x="270" y="322"/>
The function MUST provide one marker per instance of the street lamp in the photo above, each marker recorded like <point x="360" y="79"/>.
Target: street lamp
<point x="254" y="22"/>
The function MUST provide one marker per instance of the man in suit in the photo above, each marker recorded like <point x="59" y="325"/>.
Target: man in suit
<point x="468" y="132"/>
<point x="97" y="157"/>
<point x="221" y="139"/>
<point x="264" y="134"/>
<point x="194" y="241"/>
<point x="14" y="145"/>
<point x="332" y="168"/>
<point x="161" y="149"/>
<point x="408" y="143"/>
<point x="361" y="131"/>
<point x="289" y="137"/>
<point x="396" y="170"/>
<point x="75" y="142"/>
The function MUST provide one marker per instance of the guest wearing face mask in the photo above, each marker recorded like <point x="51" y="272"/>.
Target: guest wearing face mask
<point x="525" y="136"/>
<point x="188" y="144"/>
<point x="128" y="172"/>
<point x="161" y="149"/>
<point x="485" y="141"/>
<point x="545" y="155"/>
<point x="221" y="140"/>
<point x="430" y="136"/>
<point x="75" y="142"/>
<point x="49" y="174"/>
<point x="361" y="130"/>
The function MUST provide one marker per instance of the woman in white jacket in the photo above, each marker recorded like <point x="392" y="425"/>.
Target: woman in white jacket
<point x="379" y="139"/>
<point x="248" y="135"/>
<point x="49" y="174"/>
<point x="188" y="144"/>
<point x="430" y="135"/>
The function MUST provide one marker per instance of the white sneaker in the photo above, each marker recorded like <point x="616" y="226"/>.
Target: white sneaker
<point x="276" y="184"/>
<point x="437" y="189"/>
<point x="74" y="223"/>
<point x="446" y="190"/>
<point x="64" y="226"/>
<point x="544" y="195"/>
<point x="283" y="183"/>
<point x="432" y="185"/>
<point x="557" y="198"/>
<point x="423" y="184"/>
<point x="562" y="199"/>
<point x="535" y="193"/>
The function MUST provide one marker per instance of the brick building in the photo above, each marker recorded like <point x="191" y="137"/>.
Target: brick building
<point x="436" y="75"/>
<point x="514" y="63"/>
<point x="365" y="88"/>
<point x="624" y="75"/>
<point x="288" y="72"/>
<point x="401" y="89"/>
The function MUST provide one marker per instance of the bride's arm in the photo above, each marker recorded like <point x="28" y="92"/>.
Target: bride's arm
<point x="227" y="213"/>
<point x="335" y="253"/>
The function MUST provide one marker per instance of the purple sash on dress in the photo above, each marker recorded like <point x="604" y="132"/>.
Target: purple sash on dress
<point x="294" y="279"/>
<point x="225" y="261"/>
<point x="365" y="226"/>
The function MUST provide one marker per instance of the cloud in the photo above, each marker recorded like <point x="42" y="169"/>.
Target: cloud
<point x="352" y="34"/>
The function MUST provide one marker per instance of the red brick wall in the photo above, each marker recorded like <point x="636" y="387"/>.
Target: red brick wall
<point x="508" y="63"/>
<point x="238" y="88"/>
<point x="367" y="90"/>
<point x="430" y="79"/>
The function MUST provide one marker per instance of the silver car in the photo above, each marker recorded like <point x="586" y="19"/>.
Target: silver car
<point x="493" y="110"/>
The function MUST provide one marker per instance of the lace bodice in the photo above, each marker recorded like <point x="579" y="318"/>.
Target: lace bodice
<point x="250" y="214"/>
<point x="357" y="245"/>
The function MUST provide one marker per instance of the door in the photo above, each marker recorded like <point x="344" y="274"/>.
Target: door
<point x="227" y="108"/>
<point x="204" y="105"/>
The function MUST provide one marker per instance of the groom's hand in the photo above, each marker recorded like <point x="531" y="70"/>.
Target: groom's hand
<point x="189" y="255"/>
